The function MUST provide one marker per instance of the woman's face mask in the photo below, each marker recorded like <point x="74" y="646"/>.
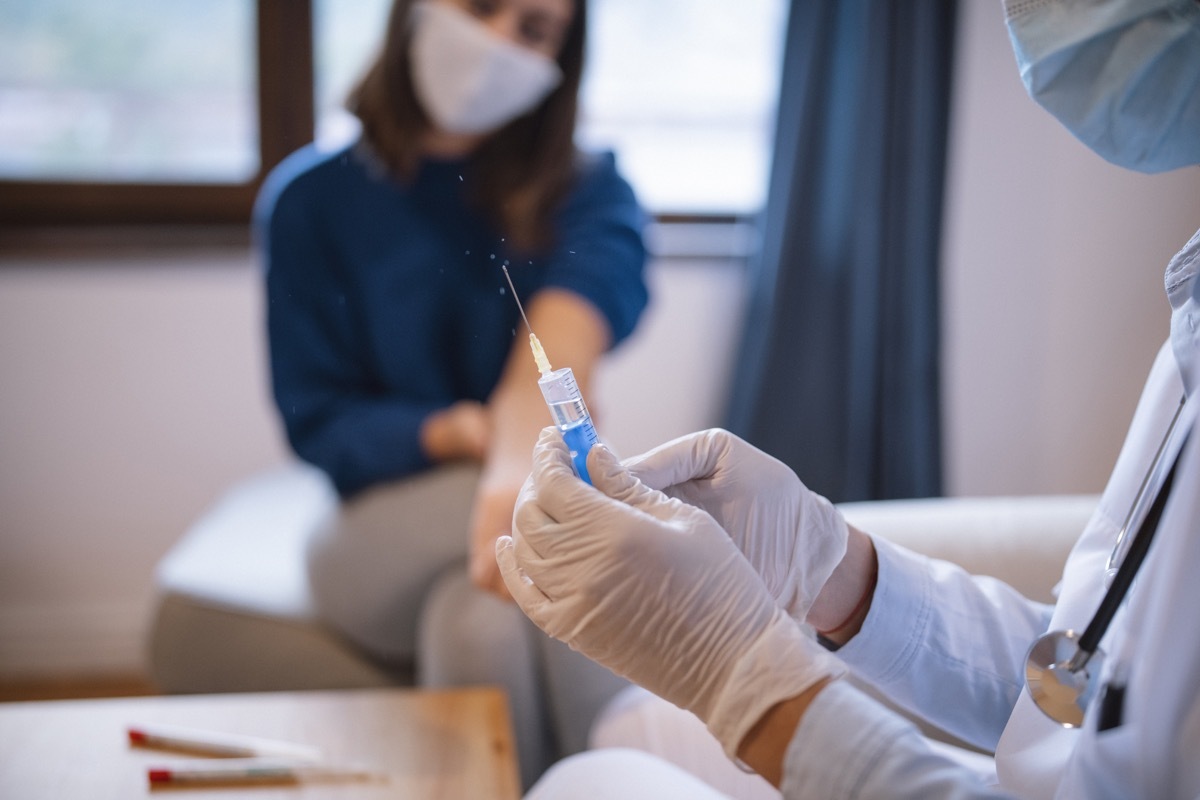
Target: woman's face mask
<point x="1122" y="75"/>
<point x="468" y="79"/>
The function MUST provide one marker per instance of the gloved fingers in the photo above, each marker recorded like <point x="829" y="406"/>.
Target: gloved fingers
<point x="691" y="457"/>
<point x="555" y="556"/>
<point x="553" y="483"/>
<point x="612" y="478"/>
<point x="548" y="548"/>
<point x="550" y="451"/>
<point x="562" y="496"/>
<point x="535" y="531"/>
<point x="529" y="597"/>
<point x="556" y="513"/>
<point x="555" y="489"/>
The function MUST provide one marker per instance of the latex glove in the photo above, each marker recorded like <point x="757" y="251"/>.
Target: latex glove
<point x="655" y="590"/>
<point x="793" y="537"/>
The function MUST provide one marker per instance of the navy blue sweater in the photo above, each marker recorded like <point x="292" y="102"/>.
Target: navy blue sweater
<point x="386" y="301"/>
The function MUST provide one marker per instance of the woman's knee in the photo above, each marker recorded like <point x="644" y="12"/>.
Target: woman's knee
<point x="468" y="635"/>
<point x="373" y="560"/>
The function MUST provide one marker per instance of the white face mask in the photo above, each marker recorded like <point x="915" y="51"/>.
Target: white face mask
<point x="469" y="80"/>
<point x="1122" y="75"/>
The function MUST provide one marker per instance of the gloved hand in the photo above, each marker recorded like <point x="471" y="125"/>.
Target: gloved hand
<point x="655" y="590"/>
<point x="791" y="536"/>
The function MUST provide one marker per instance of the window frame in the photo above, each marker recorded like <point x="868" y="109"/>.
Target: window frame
<point x="286" y="121"/>
<point x="285" y="45"/>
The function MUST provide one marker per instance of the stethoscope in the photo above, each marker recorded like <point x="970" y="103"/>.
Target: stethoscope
<point x="1060" y="664"/>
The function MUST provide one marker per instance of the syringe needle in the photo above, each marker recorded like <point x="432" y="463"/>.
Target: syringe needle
<point x="520" y="308"/>
<point x="562" y="395"/>
<point x="539" y="354"/>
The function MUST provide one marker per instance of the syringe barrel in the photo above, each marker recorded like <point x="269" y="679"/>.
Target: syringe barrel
<point x="570" y="414"/>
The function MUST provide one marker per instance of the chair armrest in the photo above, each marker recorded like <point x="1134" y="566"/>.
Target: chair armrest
<point x="246" y="553"/>
<point x="1023" y="541"/>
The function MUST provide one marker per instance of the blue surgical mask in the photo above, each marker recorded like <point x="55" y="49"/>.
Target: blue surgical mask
<point x="1122" y="75"/>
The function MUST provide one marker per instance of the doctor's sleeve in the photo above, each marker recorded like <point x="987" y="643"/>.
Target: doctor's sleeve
<point x="946" y="645"/>
<point x="849" y="746"/>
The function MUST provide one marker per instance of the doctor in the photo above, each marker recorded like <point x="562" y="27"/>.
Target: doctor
<point x="688" y="569"/>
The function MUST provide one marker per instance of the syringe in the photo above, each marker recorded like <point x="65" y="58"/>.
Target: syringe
<point x="567" y="408"/>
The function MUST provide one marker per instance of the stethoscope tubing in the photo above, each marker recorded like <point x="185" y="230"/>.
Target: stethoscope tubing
<point x="1117" y="556"/>
<point x="1090" y="640"/>
<point x="1058" y="680"/>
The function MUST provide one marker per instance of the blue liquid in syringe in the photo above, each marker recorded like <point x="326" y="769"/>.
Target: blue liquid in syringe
<point x="570" y="416"/>
<point x="579" y="438"/>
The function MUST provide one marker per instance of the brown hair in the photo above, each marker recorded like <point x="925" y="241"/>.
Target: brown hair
<point x="520" y="173"/>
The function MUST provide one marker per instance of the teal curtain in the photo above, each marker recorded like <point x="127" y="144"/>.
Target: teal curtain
<point x="838" y="375"/>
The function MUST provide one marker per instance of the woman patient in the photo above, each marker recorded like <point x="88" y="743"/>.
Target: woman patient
<point x="399" y="362"/>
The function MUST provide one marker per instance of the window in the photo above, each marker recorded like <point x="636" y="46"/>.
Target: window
<point x="144" y="111"/>
<point x="685" y="92"/>
<point x="150" y="111"/>
<point x="134" y="91"/>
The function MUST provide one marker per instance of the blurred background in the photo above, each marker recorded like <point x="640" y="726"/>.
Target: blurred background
<point x="133" y="385"/>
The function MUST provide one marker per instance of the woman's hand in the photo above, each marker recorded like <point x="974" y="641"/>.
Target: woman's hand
<point x="491" y="518"/>
<point x="461" y="432"/>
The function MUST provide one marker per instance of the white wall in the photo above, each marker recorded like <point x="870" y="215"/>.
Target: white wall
<point x="671" y="376"/>
<point x="1053" y="291"/>
<point x="132" y="393"/>
<point x="132" y="384"/>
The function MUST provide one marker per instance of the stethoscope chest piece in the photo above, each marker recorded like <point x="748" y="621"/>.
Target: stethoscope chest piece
<point x="1058" y="684"/>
